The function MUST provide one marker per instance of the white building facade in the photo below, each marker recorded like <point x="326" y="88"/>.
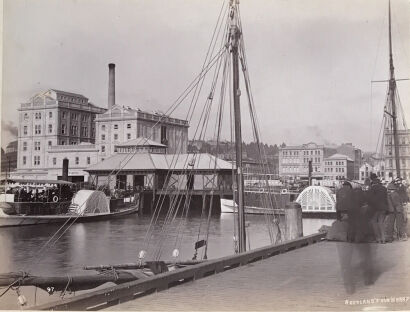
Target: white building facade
<point x="294" y="160"/>
<point x="121" y="124"/>
<point x="404" y="154"/>
<point x="52" y="118"/>
<point x="338" y="167"/>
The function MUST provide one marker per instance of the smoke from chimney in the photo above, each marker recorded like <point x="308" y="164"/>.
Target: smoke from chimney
<point x="111" y="85"/>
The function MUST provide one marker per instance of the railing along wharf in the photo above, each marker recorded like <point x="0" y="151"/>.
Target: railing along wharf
<point x="114" y="295"/>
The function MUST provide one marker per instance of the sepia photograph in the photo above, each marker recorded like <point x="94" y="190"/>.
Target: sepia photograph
<point x="205" y="155"/>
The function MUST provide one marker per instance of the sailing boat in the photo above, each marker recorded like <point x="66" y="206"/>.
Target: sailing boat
<point x="225" y="62"/>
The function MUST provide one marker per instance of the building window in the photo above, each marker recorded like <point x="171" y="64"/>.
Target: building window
<point x="88" y="160"/>
<point x="74" y="130"/>
<point x="102" y="137"/>
<point x="128" y="136"/>
<point x="24" y="160"/>
<point x="25" y="116"/>
<point x="74" y="116"/>
<point x="37" y="116"/>
<point x="103" y="127"/>
<point x="128" y="126"/>
<point x="36" y="146"/>
<point x="103" y="149"/>
<point x="115" y="136"/>
<point x="50" y="128"/>
<point x="49" y="143"/>
<point x="54" y="161"/>
<point x="24" y="146"/>
<point x="36" y="160"/>
<point x="63" y="115"/>
<point x="93" y="132"/>
<point x="63" y="129"/>
<point x="25" y="130"/>
<point x="84" y="131"/>
<point x="63" y="142"/>
<point x="50" y="114"/>
<point x="37" y="129"/>
<point x="77" y="160"/>
<point x="84" y="117"/>
<point x="115" y="127"/>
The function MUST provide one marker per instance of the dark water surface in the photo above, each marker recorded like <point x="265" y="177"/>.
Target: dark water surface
<point x="120" y="241"/>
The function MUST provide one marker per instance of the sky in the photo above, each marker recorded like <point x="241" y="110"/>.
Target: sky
<point x="311" y="62"/>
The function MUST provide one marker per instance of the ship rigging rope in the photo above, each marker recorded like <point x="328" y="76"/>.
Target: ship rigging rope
<point x="190" y="175"/>
<point x="266" y="198"/>
<point x="204" y="114"/>
<point x="172" y="209"/>
<point x="176" y="103"/>
<point x="210" y="51"/>
<point x="188" y="195"/>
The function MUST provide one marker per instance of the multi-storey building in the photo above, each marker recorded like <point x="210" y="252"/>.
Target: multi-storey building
<point x="365" y="170"/>
<point x="338" y="167"/>
<point x="294" y="160"/>
<point x="353" y="153"/>
<point x="50" y="119"/>
<point x="9" y="158"/>
<point x="404" y="153"/>
<point x="121" y="124"/>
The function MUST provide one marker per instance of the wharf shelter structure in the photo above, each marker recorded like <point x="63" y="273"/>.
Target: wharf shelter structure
<point x="146" y="168"/>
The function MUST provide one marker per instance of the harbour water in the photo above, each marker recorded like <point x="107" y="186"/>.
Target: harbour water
<point x="118" y="241"/>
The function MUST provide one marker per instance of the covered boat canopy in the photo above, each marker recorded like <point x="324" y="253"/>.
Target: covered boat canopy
<point x="90" y="202"/>
<point x="317" y="199"/>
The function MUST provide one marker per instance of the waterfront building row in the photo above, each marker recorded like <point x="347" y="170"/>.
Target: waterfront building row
<point x="58" y="124"/>
<point x="329" y="163"/>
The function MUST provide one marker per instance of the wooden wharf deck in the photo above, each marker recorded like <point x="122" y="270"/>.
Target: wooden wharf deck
<point x="286" y="277"/>
<point x="304" y="279"/>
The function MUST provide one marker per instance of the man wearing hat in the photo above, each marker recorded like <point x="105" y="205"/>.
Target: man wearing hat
<point x="377" y="200"/>
<point x="402" y="190"/>
<point x="396" y="209"/>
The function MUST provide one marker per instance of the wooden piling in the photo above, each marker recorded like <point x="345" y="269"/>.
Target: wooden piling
<point x="293" y="221"/>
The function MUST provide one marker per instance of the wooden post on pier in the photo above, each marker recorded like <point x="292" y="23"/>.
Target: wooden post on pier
<point x="141" y="208"/>
<point x="293" y="221"/>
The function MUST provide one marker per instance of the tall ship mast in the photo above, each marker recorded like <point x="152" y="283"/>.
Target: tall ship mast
<point x="394" y="117"/>
<point x="235" y="35"/>
<point x="392" y="97"/>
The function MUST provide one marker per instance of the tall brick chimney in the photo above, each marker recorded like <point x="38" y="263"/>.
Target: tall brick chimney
<point x="111" y="85"/>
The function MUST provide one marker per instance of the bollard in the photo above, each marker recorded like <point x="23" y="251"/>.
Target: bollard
<point x="293" y="221"/>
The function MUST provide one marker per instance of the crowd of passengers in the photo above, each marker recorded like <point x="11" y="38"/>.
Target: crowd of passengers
<point x="377" y="212"/>
<point x="49" y="194"/>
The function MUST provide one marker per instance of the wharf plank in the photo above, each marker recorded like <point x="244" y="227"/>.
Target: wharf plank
<point x="300" y="280"/>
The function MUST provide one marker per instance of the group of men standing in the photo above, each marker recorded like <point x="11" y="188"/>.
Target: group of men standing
<point x="375" y="213"/>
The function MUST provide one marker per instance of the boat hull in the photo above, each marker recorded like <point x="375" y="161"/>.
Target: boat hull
<point x="227" y="206"/>
<point x="19" y="220"/>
